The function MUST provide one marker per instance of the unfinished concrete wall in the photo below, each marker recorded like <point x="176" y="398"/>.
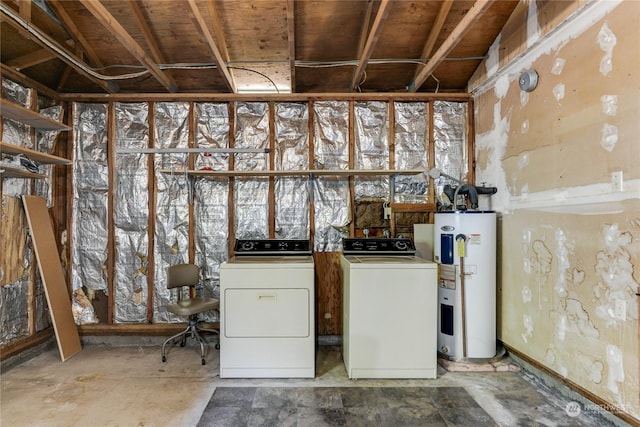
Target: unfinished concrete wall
<point x="569" y="239"/>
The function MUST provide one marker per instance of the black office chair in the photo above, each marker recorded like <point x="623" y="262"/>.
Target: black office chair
<point x="189" y="275"/>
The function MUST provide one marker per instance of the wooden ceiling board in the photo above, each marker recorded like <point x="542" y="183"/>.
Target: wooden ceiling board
<point x="256" y="36"/>
<point x="203" y="80"/>
<point x="254" y="30"/>
<point x="482" y="35"/>
<point x="105" y="45"/>
<point x="389" y="77"/>
<point x="415" y="19"/>
<point x="328" y="30"/>
<point x="323" y="79"/>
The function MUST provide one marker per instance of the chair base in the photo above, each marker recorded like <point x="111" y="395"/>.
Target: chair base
<point x="192" y="331"/>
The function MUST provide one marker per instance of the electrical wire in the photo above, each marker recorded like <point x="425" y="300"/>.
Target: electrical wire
<point x="27" y="26"/>
<point x="257" y="72"/>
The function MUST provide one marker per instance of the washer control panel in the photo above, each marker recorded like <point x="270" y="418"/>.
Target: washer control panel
<point x="375" y="246"/>
<point x="278" y="247"/>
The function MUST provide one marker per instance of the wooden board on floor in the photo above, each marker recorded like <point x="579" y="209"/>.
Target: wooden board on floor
<point x="55" y="286"/>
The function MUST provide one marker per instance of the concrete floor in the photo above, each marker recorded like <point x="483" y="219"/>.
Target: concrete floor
<point x="130" y="386"/>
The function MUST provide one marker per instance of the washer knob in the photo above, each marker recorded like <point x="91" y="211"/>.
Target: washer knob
<point x="401" y="245"/>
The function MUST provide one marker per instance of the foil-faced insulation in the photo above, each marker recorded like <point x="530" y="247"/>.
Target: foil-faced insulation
<point x="332" y="210"/>
<point x="171" y="130"/>
<point x="450" y="134"/>
<point x="251" y="196"/>
<point x="14" y="318"/>
<point x="332" y="213"/>
<point x="212" y="131"/>
<point x="16" y="93"/>
<point x="411" y="139"/>
<point x="291" y="153"/>
<point x="45" y="143"/>
<point x="331" y="139"/>
<point x="211" y="203"/>
<point x="371" y="149"/>
<point x="211" y="212"/>
<point x="90" y="198"/>
<point x="131" y="214"/>
<point x="15" y="133"/>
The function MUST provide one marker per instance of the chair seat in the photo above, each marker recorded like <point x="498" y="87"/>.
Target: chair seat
<point x="189" y="307"/>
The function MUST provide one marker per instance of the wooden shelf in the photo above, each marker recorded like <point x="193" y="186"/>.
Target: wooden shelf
<point x="33" y="155"/>
<point x="315" y="172"/>
<point x="24" y="115"/>
<point x="11" y="172"/>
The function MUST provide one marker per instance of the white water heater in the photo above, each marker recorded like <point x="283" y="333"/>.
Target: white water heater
<point x="465" y="247"/>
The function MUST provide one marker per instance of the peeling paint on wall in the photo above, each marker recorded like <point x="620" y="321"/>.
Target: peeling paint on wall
<point x="616" y="284"/>
<point x="495" y="143"/>
<point x="493" y="58"/>
<point x="609" y="137"/>
<point x="533" y="28"/>
<point x="609" y="104"/>
<point x="607" y="41"/>
<point x="558" y="66"/>
<point x="616" y="368"/>
<point x="558" y="91"/>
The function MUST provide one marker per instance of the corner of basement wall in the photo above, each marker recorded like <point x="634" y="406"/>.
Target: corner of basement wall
<point x="569" y="241"/>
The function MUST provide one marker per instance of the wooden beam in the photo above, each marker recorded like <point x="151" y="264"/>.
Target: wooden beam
<point x="72" y="29"/>
<point x="66" y="74"/>
<point x="366" y="23"/>
<point x="118" y="31"/>
<point x="149" y="38"/>
<point x="372" y="39"/>
<point x="219" y="36"/>
<point x="27" y="81"/>
<point x="83" y="47"/>
<point x="434" y="33"/>
<point x="201" y="25"/>
<point x="31" y="59"/>
<point x="474" y="13"/>
<point x="291" y="39"/>
<point x="45" y="41"/>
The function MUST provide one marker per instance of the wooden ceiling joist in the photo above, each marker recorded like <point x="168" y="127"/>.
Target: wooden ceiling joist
<point x="219" y="36"/>
<point x="291" y="40"/>
<point x="49" y="43"/>
<point x="474" y="13"/>
<point x="11" y="73"/>
<point x="150" y="39"/>
<point x="31" y="59"/>
<point x="203" y="29"/>
<point x="87" y="49"/>
<point x="383" y="12"/>
<point x="118" y="31"/>
<point x="434" y="33"/>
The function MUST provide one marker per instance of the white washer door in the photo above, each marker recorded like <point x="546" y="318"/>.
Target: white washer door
<point x="266" y="313"/>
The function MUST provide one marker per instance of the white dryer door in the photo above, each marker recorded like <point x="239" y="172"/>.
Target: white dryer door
<point x="266" y="313"/>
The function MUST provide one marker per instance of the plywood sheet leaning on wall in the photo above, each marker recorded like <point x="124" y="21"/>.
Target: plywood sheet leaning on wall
<point x="13" y="241"/>
<point x="52" y="275"/>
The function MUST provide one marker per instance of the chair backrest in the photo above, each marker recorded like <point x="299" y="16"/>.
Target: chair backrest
<point x="183" y="275"/>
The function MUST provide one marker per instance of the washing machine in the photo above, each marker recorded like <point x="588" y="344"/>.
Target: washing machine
<point x="267" y="327"/>
<point x="390" y="310"/>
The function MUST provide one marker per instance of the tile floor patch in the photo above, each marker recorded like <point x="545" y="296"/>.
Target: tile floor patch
<point x="340" y="406"/>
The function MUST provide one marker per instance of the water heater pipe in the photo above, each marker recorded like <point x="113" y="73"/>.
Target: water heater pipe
<point x="461" y="239"/>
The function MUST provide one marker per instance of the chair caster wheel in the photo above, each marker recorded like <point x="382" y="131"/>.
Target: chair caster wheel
<point x="164" y="359"/>
<point x="217" y="346"/>
<point x="204" y="361"/>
